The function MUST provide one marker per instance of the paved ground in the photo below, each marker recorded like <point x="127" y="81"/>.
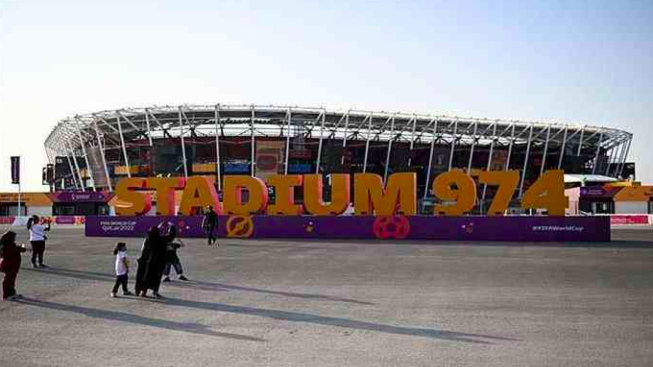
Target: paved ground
<point x="282" y="303"/>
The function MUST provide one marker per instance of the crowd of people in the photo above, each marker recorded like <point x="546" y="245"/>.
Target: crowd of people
<point x="158" y="256"/>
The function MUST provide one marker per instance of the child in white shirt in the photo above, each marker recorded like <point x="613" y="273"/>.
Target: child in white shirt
<point x="122" y="270"/>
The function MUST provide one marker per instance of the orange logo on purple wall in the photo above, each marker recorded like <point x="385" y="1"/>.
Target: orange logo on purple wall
<point x="395" y="226"/>
<point x="239" y="226"/>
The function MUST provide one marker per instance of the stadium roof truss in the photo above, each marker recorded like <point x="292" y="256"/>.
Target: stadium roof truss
<point x="129" y="127"/>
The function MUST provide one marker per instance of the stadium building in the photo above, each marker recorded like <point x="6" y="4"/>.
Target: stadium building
<point x="94" y="151"/>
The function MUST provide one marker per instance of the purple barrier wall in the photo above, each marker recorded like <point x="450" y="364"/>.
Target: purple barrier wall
<point x="468" y="228"/>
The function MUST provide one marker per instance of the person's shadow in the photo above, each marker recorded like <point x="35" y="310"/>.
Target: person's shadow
<point x="200" y="285"/>
<point x="192" y="328"/>
<point x="291" y="316"/>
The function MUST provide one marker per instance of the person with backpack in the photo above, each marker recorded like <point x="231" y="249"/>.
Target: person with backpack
<point x="37" y="239"/>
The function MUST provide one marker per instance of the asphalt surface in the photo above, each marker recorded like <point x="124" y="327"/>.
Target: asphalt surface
<point x="288" y="303"/>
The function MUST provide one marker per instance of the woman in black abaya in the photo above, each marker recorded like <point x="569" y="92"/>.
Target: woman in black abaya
<point x="153" y="236"/>
<point x="157" y="261"/>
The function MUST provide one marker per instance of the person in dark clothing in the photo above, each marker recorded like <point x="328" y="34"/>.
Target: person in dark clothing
<point x="209" y="223"/>
<point x="157" y="261"/>
<point x="153" y="236"/>
<point x="172" y="260"/>
<point x="10" y="264"/>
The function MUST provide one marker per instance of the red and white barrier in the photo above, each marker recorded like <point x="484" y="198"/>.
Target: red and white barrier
<point x="60" y="220"/>
<point x="631" y="219"/>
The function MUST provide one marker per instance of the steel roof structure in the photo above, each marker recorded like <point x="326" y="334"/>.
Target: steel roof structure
<point x="122" y="128"/>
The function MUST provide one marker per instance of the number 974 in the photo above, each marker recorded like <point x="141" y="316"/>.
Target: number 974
<point x="459" y="191"/>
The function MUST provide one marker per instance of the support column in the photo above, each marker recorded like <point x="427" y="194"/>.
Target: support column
<point x="611" y="157"/>
<point x="147" y="123"/>
<point x="562" y="150"/>
<point x="344" y="138"/>
<point x="471" y="153"/>
<point x="621" y="170"/>
<point x="253" y="152"/>
<point x="122" y="143"/>
<point x="428" y="170"/>
<point x="453" y="143"/>
<point x="619" y="151"/>
<point x="72" y="171"/>
<point x="217" y="147"/>
<point x="489" y="159"/>
<point x="104" y="159"/>
<point x="367" y="144"/>
<point x="546" y="149"/>
<point x="412" y="141"/>
<point x="512" y="141"/>
<point x="387" y="157"/>
<point x="79" y="173"/>
<point x="580" y="142"/>
<point x="289" y="113"/>
<point x="621" y="158"/>
<point x="523" y="172"/>
<point x="88" y="166"/>
<point x="598" y="150"/>
<point x="183" y="143"/>
<point x="319" y="147"/>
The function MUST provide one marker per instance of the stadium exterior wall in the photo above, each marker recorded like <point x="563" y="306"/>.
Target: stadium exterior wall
<point x="93" y="151"/>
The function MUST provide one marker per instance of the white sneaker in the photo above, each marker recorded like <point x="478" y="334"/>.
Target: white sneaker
<point x="113" y="295"/>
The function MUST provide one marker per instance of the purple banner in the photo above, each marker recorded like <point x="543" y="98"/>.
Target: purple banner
<point x="15" y="170"/>
<point x="599" y="192"/>
<point x="80" y="197"/>
<point x="592" y="191"/>
<point x="430" y="228"/>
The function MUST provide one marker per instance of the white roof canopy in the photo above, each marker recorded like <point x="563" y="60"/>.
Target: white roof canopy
<point x="588" y="178"/>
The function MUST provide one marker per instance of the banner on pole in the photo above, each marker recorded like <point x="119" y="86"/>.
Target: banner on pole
<point x="15" y="170"/>
<point x="269" y="155"/>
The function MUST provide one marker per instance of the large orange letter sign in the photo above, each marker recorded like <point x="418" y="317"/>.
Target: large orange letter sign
<point x="340" y="184"/>
<point x="284" y="194"/>
<point x="547" y="192"/>
<point x="507" y="182"/>
<point x="199" y="193"/>
<point x="233" y="200"/>
<point x="165" y="193"/>
<point x="464" y="194"/>
<point x="131" y="202"/>
<point x="401" y="189"/>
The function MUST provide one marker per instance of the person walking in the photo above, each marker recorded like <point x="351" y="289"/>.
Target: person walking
<point x="209" y="222"/>
<point x="122" y="270"/>
<point x="10" y="260"/>
<point x="157" y="260"/>
<point x="172" y="261"/>
<point x="37" y="239"/>
<point x="152" y="237"/>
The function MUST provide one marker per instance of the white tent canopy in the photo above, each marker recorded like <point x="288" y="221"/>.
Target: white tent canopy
<point x="588" y="179"/>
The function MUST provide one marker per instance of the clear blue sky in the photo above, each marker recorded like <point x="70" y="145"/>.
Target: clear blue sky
<point x="561" y="61"/>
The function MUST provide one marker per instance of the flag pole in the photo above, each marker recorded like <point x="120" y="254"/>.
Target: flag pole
<point x="19" y="190"/>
